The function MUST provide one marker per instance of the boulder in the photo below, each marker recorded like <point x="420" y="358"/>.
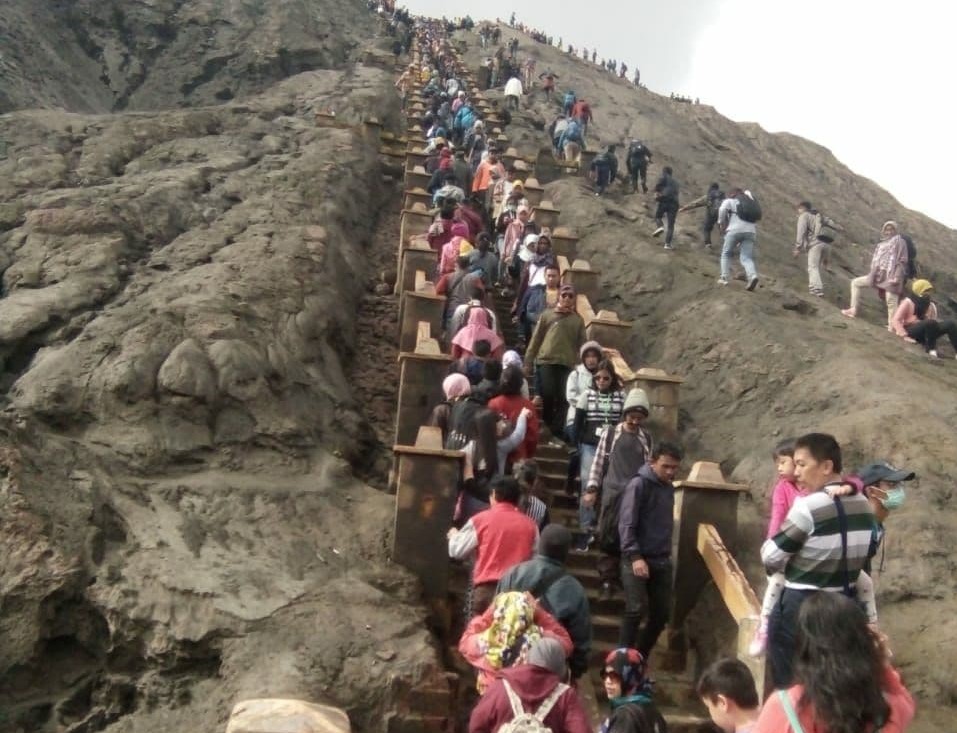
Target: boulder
<point x="286" y="716"/>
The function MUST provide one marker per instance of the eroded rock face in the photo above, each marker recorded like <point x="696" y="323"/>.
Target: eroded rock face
<point x="180" y="520"/>
<point x="95" y="56"/>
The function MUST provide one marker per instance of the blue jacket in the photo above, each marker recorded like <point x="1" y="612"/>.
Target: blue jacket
<point x="646" y="518"/>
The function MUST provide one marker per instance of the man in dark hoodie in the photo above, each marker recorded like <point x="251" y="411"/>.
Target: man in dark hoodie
<point x="666" y="194"/>
<point x="645" y="526"/>
<point x="711" y="202"/>
<point x="558" y="592"/>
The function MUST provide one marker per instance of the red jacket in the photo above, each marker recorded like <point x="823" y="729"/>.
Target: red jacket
<point x="469" y="643"/>
<point x="506" y="537"/>
<point x="472" y="219"/>
<point x="511" y="406"/>
<point x="438" y="241"/>
<point x="773" y="719"/>
<point x="532" y="684"/>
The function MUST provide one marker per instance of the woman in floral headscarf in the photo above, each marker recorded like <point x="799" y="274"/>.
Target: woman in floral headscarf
<point x="502" y="636"/>
<point x="626" y="683"/>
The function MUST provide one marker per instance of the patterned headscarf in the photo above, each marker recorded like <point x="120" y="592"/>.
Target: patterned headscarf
<point x="631" y="668"/>
<point x="513" y="631"/>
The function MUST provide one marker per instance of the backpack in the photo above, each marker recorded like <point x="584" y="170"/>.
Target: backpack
<point x="824" y="229"/>
<point x="573" y="133"/>
<point x="749" y="209"/>
<point x="523" y="722"/>
<point x="911" y="256"/>
<point x="637" y="153"/>
<point x="714" y="202"/>
<point x="569" y="99"/>
<point x="461" y="423"/>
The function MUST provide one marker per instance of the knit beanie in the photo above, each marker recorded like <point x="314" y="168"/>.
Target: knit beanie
<point x="554" y="542"/>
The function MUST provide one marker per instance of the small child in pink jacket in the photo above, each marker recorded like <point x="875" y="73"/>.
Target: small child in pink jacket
<point x="783" y="496"/>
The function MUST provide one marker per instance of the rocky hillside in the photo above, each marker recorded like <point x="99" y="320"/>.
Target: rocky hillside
<point x="775" y="363"/>
<point x="183" y="255"/>
<point x="181" y="526"/>
<point x="110" y="55"/>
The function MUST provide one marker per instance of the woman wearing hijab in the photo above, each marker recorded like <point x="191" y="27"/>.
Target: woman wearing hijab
<point x="457" y="246"/>
<point x="512" y="358"/>
<point x="530" y="302"/>
<point x="537" y="687"/>
<point x="627" y="684"/>
<point x="505" y="633"/>
<point x="456" y="387"/>
<point x="887" y="275"/>
<point x="477" y="329"/>
<point x="915" y="320"/>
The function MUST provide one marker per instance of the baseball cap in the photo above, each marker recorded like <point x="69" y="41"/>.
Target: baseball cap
<point x="883" y="471"/>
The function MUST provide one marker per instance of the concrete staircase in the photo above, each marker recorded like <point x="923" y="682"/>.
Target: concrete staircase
<point x="674" y="690"/>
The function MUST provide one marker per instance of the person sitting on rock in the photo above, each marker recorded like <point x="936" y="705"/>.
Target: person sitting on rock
<point x="535" y="688"/>
<point x="887" y="274"/>
<point x="499" y="537"/>
<point x="915" y="319"/>
<point x="557" y="591"/>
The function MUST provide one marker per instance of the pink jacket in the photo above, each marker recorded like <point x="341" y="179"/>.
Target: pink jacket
<point x="906" y="315"/>
<point x="782" y="499"/>
<point x="773" y="719"/>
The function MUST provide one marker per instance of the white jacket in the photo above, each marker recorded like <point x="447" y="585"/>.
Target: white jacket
<point x="513" y="87"/>
<point x="578" y="382"/>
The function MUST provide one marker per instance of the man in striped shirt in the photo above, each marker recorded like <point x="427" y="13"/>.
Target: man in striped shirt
<point x="817" y="548"/>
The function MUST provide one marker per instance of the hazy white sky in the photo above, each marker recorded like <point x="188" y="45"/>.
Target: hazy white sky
<point x="869" y="80"/>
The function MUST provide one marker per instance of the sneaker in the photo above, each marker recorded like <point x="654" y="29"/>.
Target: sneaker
<point x="722" y="281"/>
<point x="669" y="246"/>
<point x="583" y="544"/>
<point x="752" y="284"/>
<point x="658" y="232"/>
<point x="606" y="593"/>
<point x="760" y="641"/>
<point x="932" y="353"/>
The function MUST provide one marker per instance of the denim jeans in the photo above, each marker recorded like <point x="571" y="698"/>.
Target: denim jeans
<point x="782" y="636"/>
<point x="587" y="515"/>
<point x="746" y="241"/>
<point x="649" y="597"/>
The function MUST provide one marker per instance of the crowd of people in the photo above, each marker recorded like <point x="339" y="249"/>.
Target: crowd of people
<point x="529" y="630"/>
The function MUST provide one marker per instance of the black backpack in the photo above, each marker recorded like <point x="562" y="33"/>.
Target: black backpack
<point x="911" y="256"/>
<point x="714" y="202"/>
<point x="749" y="209"/>
<point x="824" y="229"/>
<point x="636" y="155"/>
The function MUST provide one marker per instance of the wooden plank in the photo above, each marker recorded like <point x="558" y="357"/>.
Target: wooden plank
<point x="737" y="593"/>
<point x="420" y="280"/>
